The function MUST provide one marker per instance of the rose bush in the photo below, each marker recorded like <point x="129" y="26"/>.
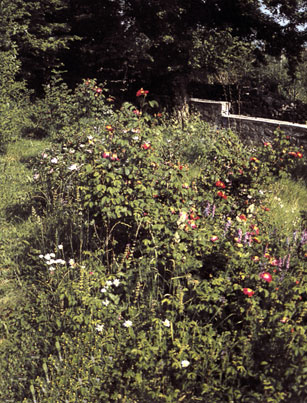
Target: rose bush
<point x="170" y="284"/>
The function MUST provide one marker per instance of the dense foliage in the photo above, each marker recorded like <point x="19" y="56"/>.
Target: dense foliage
<point x="165" y="44"/>
<point x="155" y="272"/>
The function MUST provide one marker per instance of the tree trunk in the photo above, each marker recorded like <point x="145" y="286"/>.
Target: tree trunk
<point x="181" y="98"/>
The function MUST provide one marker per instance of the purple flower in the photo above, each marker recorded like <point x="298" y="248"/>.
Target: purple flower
<point x="207" y="210"/>
<point x="303" y="238"/>
<point x="288" y="262"/>
<point x="227" y="226"/>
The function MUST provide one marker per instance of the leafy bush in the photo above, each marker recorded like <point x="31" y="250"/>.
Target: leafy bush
<point x="157" y="275"/>
<point x="14" y="100"/>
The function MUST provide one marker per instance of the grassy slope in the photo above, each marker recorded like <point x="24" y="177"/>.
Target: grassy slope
<point x="16" y="180"/>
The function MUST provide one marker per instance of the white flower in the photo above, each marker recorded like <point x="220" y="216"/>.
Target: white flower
<point x="116" y="282"/>
<point x="51" y="261"/>
<point x="103" y="290"/>
<point x="73" y="167"/>
<point x="54" y="160"/>
<point x="51" y="268"/>
<point x="44" y="155"/>
<point x="52" y="255"/>
<point x="185" y="363"/>
<point x="60" y="261"/>
<point x="166" y="323"/>
<point x="71" y="263"/>
<point x="108" y="283"/>
<point x="127" y="323"/>
<point x="106" y="302"/>
<point x="90" y="137"/>
<point x="47" y="256"/>
<point x="41" y="256"/>
<point x="60" y="247"/>
<point x="99" y="328"/>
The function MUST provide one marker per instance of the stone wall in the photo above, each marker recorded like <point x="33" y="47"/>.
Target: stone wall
<point x="249" y="128"/>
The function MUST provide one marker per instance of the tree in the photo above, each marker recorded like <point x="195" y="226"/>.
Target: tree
<point x="38" y="31"/>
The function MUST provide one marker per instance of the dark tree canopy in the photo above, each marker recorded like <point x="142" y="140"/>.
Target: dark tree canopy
<point x="161" y="44"/>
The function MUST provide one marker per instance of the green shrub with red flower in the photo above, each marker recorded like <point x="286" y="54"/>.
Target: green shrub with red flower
<point x="174" y="286"/>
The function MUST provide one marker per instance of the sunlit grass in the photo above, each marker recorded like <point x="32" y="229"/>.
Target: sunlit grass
<point x="287" y="200"/>
<point x="16" y="180"/>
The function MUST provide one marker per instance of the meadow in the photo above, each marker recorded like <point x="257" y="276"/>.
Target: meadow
<point x="143" y="260"/>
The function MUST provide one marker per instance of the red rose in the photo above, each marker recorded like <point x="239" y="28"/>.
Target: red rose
<point x="141" y="92"/>
<point x="266" y="277"/>
<point x="248" y="292"/>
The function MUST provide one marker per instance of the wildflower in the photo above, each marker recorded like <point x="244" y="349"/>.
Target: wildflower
<point x="54" y="160"/>
<point x="116" y="282"/>
<point x="145" y="146"/>
<point x="220" y="184"/>
<point x="266" y="144"/>
<point x="242" y="217"/>
<point x="98" y="90"/>
<point x="185" y="186"/>
<point x="127" y="323"/>
<point x="214" y="238"/>
<point x="222" y="195"/>
<point x="114" y="157"/>
<point x="192" y="224"/>
<point x="284" y="319"/>
<point x="213" y="210"/>
<point x="60" y="247"/>
<point x="72" y="263"/>
<point x="105" y="302"/>
<point x="136" y="112"/>
<point x="299" y="155"/>
<point x="255" y="229"/>
<point x="51" y="269"/>
<point x="249" y="292"/>
<point x="255" y="259"/>
<point x="257" y="240"/>
<point x="227" y="225"/>
<point x="104" y="289"/>
<point x="142" y="92"/>
<point x="274" y="262"/>
<point x="266" y="277"/>
<point x="166" y="323"/>
<point x="254" y="159"/>
<point x="60" y="261"/>
<point x="292" y="154"/>
<point x="106" y="154"/>
<point x="185" y="363"/>
<point x="99" y="328"/>
<point x="73" y="167"/>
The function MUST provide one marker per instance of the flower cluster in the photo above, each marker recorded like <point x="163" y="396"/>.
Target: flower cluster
<point x="141" y="92"/>
<point x="51" y="261"/>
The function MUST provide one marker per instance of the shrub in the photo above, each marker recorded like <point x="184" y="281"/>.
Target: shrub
<point x="169" y="283"/>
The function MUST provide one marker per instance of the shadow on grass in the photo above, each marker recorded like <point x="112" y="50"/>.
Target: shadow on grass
<point x="18" y="212"/>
